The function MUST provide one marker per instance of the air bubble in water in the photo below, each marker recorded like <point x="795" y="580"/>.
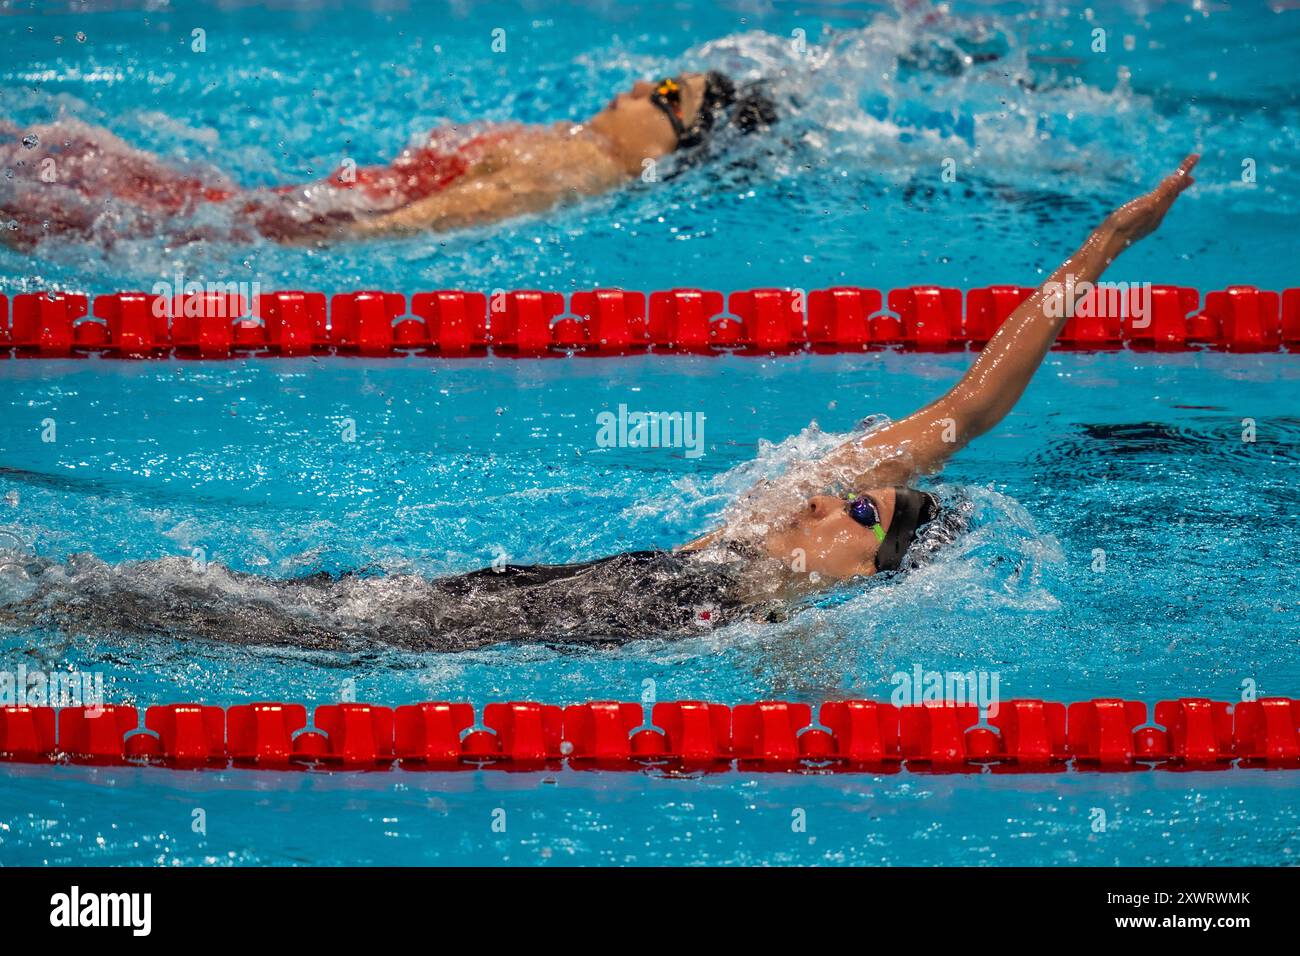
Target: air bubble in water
<point x="15" y="583"/>
<point x="30" y="141"/>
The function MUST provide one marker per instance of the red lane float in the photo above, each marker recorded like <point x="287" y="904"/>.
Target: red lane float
<point x="601" y="733"/>
<point x="188" y="733"/>
<point x="431" y="734"/>
<point x="208" y="324"/>
<point x="929" y="320"/>
<point x="1103" y="733"/>
<point x="609" y="322"/>
<point x="1264" y="731"/>
<point x="362" y="322"/>
<point x="854" y="735"/>
<point x="455" y="322"/>
<point x="771" y="321"/>
<point x="294" y="322"/>
<point x="768" y="732"/>
<point x="262" y="733"/>
<point x="988" y="308"/>
<point x="27" y="733"/>
<point x="1168" y="328"/>
<point x="135" y="325"/>
<point x="863" y="733"/>
<point x="838" y="318"/>
<point x="1290" y="320"/>
<point x="43" y="324"/>
<point x="682" y="320"/>
<point x="96" y="735"/>
<point x="522" y="323"/>
<point x="1245" y="319"/>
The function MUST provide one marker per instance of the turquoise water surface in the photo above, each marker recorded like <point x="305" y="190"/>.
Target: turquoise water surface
<point x="456" y="463"/>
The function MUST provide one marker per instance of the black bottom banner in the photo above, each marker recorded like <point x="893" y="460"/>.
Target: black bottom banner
<point x="346" y="904"/>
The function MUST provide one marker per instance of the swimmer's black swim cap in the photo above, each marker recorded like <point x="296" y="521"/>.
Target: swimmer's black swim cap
<point x="749" y="110"/>
<point x="913" y="509"/>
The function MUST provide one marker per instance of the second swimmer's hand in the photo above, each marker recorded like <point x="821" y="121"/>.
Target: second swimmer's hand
<point x="1140" y="217"/>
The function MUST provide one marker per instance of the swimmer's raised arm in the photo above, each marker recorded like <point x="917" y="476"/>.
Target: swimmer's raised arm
<point x="923" y="441"/>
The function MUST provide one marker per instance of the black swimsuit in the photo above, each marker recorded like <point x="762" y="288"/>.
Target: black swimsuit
<point x="626" y="596"/>
<point x="638" y="594"/>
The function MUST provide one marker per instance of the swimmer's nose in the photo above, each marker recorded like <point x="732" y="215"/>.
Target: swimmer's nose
<point x="642" y="88"/>
<point x="819" y="506"/>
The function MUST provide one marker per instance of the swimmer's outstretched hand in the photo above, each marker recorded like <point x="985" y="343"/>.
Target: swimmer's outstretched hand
<point x="1140" y="217"/>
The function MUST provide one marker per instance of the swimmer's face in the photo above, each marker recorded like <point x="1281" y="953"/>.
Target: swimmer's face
<point x="638" y="128"/>
<point x="823" y="538"/>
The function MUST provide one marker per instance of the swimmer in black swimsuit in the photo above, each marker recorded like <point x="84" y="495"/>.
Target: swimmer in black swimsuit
<point x="604" y="602"/>
<point x="783" y="542"/>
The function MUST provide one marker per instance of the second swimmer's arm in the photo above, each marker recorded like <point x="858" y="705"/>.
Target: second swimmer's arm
<point x="512" y="183"/>
<point x="470" y="204"/>
<point x="997" y="378"/>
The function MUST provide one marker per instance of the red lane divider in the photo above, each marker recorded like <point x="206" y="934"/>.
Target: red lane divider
<point x="263" y="733"/>
<point x="1261" y="730"/>
<point x="609" y="322"/>
<point x="294" y="321"/>
<point x="43" y="325"/>
<point x="764" y="321"/>
<point x="987" y="309"/>
<point x="523" y="326"/>
<point x="837" y="318"/>
<point x="455" y="322"/>
<point x="135" y="324"/>
<point x="187" y="733"/>
<point x="682" y="320"/>
<point x="1023" y="735"/>
<point x="601" y="732"/>
<point x="929" y="319"/>
<point x="362" y="322"/>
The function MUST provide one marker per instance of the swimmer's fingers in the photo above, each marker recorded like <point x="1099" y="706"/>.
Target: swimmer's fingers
<point x="1140" y="217"/>
<point x="1181" y="177"/>
<point x="1163" y="196"/>
<point x="1172" y="186"/>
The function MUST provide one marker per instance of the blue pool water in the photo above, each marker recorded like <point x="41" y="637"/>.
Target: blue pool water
<point x="455" y="463"/>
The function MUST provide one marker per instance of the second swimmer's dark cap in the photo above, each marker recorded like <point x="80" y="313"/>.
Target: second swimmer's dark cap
<point x="750" y="109"/>
<point x="913" y="508"/>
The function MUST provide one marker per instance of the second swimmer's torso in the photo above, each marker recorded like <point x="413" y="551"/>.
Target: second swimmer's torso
<point x="613" y="600"/>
